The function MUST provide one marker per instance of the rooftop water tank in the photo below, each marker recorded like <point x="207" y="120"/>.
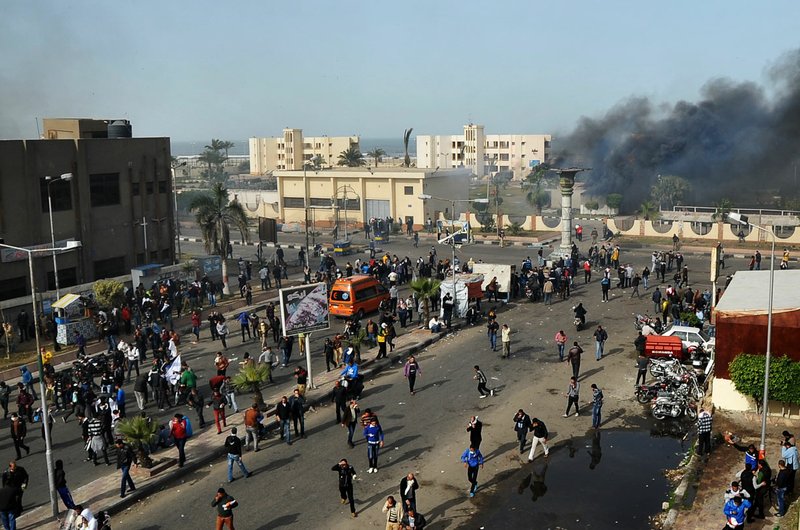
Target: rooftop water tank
<point x="120" y="129"/>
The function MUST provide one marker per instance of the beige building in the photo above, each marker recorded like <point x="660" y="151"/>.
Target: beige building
<point x="290" y="151"/>
<point x="362" y="193"/>
<point x="117" y="184"/>
<point x="484" y="153"/>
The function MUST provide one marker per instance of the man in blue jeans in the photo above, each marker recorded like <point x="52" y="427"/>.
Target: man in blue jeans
<point x="600" y="338"/>
<point x="374" y="435"/>
<point x="10" y="505"/>
<point x="233" y="445"/>
<point x="597" y="406"/>
<point x="125" y="459"/>
<point x="283" y="413"/>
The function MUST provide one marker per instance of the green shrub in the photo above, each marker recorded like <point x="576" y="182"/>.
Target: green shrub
<point x="747" y="374"/>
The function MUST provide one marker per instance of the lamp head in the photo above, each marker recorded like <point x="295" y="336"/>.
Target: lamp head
<point x="72" y="244"/>
<point x="481" y="201"/>
<point x="66" y="176"/>
<point x="424" y="196"/>
<point x="737" y="218"/>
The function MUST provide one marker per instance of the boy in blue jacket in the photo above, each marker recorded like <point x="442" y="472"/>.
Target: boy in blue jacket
<point x="472" y="459"/>
<point x="735" y="511"/>
<point x="374" y="435"/>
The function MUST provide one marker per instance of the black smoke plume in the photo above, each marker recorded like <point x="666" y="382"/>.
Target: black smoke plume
<point x="740" y="142"/>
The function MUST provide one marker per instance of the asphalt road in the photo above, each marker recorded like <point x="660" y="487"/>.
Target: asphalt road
<point x="417" y="428"/>
<point x="293" y="486"/>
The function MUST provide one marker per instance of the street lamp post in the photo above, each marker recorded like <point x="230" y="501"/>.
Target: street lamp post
<point x="66" y="177"/>
<point x="452" y="237"/>
<point x="172" y="168"/>
<point x="743" y="220"/>
<point x="45" y="424"/>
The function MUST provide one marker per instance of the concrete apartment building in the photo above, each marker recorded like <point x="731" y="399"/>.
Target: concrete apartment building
<point x="369" y="192"/>
<point x="484" y="153"/>
<point x="117" y="183"/>
<point x="290" y="151"/>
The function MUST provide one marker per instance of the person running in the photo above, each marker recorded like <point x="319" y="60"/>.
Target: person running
<point x="61" y="486"/>
<point x="225" y="505"/>
<point x="347" y="474"/>
<point x="540" y="434"/>
<point x="480" y="377"/>
<point x="473" y="459"/>
<point x="573" y="390"/>
<point x="411" y="370"/>
<point x="597" y="406"/>
<point x="373" y="433"/>
<point x="233" y="446"/>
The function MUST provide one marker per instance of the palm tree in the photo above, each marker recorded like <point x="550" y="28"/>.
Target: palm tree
<point x="425" y="289"/>
<point x="352" y="157"/>
<point x="251" y="377"/>
<point x="721" y="209"/>
<point x="216" y="215"/>
<point x="648" y="210"/>
<point x="670" y="190"/>
<point x="406" y="138"/>
<point x="216" y="145"/>
<point x="356" y="341"/>
<point x="139" y="432"/>
<point x="227" y="145"/>
<point x="377" y="154"/>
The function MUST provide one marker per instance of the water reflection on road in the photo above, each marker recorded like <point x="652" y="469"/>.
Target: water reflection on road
<point x="606" y="479"/>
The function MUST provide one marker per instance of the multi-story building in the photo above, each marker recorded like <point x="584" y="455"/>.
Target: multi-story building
<point x="484" y="153"/>
<point x="292" y="150"/>
<point x="120" y="190"/>
<point x="354" y="195"/>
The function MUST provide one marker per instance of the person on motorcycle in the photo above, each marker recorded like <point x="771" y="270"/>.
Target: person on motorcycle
<point x="580" y="313"/>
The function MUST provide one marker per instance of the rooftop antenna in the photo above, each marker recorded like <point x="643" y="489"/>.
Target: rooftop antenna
<point x="38" y="132"/>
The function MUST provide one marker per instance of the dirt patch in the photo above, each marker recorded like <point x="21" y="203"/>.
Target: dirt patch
<point x="716" y="473"/>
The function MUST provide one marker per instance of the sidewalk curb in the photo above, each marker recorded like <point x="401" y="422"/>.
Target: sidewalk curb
<point x="680" y="492"/>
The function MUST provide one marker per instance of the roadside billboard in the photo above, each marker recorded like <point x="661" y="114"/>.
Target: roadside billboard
<point x="304" y="309"/>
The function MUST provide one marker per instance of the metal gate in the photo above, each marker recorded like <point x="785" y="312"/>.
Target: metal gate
<point x="378" y="209"/>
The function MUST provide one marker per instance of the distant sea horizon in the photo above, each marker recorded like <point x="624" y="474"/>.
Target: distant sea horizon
<point x="392" y="146"/>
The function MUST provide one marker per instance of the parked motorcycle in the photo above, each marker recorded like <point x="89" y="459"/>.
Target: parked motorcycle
<point x="641" y="320"/>
<point x="674" y="405"/>
<point x="647" y="393"/>
<point x="666" y="367"/>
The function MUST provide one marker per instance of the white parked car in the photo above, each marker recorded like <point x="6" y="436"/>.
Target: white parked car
<point x="692" y="337"/>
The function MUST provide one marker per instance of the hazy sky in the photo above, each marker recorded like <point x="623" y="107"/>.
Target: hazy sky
<point x="197" y="69"/>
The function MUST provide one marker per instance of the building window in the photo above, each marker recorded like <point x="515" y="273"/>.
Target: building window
<point x="60" y="194"/>
<point x="108" y="268"/>
<point x="148" y="187"/>
<point x="67" y="277"/>
<point x="154" y="256"/>
<point x="14" y="287"/>
<point x="162" y="186"/>
<point x="504" y="156"/>
<point x="140" y="258"/>
<point x="408" y="190"/>
<point x="135" y="189"/>
<point x="316" y="201"/>
<point x="352" y="204"/>
<point x="165" y="255"/>
<point x="294" y="202"/>
<point x="104" y="189"/>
